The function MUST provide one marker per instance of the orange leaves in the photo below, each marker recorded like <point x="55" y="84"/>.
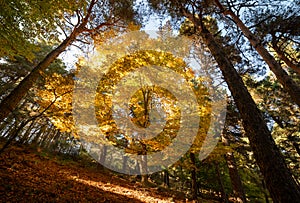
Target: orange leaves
<point x="35" y="177"/>
<point x="57" y="97"/>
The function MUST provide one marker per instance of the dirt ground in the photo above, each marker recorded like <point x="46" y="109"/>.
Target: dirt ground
<point x="30" y="176"/>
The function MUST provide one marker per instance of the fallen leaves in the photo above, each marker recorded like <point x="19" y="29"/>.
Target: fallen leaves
<point x="27" y="176"/>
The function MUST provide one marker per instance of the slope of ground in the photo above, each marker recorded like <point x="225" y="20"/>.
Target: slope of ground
<point x="30" y="176"/>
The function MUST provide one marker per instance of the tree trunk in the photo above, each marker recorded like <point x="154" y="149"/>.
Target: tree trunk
<point x="237" y="186"/>
<point x="236" y="182"/>
<point x="194" y="177"/>
<point x="125" y="167"/>
<point x="27" y="133"/>
<point x="278" y="178"/>
<point x="223" y="193"/>
<point x="10" y="102"/>
<point x="166" y="178"/>
<point x="144" y="169"/>
<point x="14" y="135"/>
<point x="287" y="82"/>
<point x="265" y="191"/>
<point x="103" y="153"/>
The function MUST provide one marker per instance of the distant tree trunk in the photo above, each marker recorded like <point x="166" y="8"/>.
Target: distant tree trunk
<point x="24" y="137"/>
<point x="14" y="135"/>
<point x="10" y="128"/>
<point x="219" y="178"/>
<point x="5" y="125"/>
<point x="144" y="169"/>
<point x="166" y="178"/>
<point x="103" y="154"/>
<point x="125" y="164"/>
<point x="34" y="138"/>
<point x="279" y="180"/>
<point x="51" y="137"/>
<point x="194" y="177"/>
<point x="55" y="144"/>
<point x="288" y="83"/>
<point x="9" y="103"/>
<point x="42" y="139"/>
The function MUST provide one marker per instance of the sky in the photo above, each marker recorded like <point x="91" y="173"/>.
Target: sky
<point x="70" y="56"/>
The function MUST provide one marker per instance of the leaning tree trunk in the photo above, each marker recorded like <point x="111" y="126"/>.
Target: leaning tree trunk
<point x="10" y="102"/>
<point x="287" y="82"/>
<point x="279" y="180"/>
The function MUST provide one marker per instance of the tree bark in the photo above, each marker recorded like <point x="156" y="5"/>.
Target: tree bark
<point x="287" y="82"/>
<point x="10" y="102"/>
<point x="235" y="178"/>
<point x="279" y="180"/>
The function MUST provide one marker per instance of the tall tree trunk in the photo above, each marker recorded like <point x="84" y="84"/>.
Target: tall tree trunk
<point x="237" y="186"/>
<point x="10" y="102"/>
<point x="287" y="82"/>
<point x="279" y="180"/>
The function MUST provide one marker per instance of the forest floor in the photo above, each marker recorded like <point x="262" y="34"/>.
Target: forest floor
<point x="28" y="175"/>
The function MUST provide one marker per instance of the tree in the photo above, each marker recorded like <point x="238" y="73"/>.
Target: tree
<point x="281" y="116"/>
<point x="30" y="122"/>
<point x="237" y="186"/>
<point x="23" y="22"/>
<point x="280" y="32"/>
<point x="289" y="85"/>
<point x="278" y="178"/>
<point x="95" y="20"/>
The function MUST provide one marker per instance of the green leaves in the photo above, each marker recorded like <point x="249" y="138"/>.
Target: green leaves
<point x="25" y="22"/>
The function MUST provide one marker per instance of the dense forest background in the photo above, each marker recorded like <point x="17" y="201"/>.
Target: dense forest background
<point x="251" y="48"/>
